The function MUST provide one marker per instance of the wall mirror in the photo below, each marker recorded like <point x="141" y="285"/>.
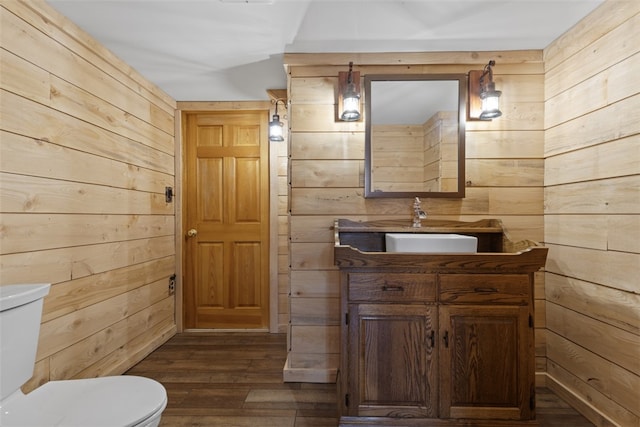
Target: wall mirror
<point x="414" y="135"/>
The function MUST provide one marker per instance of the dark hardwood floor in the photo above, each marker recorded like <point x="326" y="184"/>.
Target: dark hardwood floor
<point x="235" y="380"/>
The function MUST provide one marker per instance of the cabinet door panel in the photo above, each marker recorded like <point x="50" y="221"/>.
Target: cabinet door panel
<point x="391" y="360"/>
<point x="485" y="362"/>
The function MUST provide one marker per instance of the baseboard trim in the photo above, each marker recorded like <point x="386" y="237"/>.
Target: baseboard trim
<point x="308" y="375"/>
<point x="577" y="402"/>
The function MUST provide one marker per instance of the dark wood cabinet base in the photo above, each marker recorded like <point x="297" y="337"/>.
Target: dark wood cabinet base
<point x="429" y="422"/>
<point x="436" y="339"/>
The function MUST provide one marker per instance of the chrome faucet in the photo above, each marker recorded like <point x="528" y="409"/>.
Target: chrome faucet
<point x="418" y="213"/>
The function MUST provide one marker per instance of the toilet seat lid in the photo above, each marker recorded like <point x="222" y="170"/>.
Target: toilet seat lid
<point x="97" y="402"/>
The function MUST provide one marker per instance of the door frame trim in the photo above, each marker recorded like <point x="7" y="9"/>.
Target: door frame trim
<point x="194" y="107"/>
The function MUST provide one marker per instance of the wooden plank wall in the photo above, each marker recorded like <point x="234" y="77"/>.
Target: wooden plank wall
<point x="401" y="164"/>
<point x="281" y="158"/>
<point x="87" y="151"/>
<point x="592" y="214"/>
<point x="441" y="145"/>
<point x="504" y="180"/>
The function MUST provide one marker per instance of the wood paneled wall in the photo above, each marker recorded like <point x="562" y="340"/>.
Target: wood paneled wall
<point x="399" y="158"/>
<point x="592" y="214"/>
<point x="87" y="149"/>
<point x="504" y="180"/>
<point x="281" y="158"/>
<point x="420" y="157"/>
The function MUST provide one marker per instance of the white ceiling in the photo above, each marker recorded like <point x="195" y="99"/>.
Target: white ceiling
<point x="231" y="50"/>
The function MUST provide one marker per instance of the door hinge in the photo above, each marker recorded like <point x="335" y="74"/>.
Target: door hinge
<point x="530" y="321"/>
<point x="346" y="318"/>
<point x="445" y="338"/>
<point x="346" y="400"/>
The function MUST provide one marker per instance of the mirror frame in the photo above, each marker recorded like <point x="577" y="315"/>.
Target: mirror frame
<point x="462" y="114"/>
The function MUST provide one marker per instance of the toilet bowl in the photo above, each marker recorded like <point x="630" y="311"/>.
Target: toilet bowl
<point x="121" y="401"/>
<point x="115" y="401"/>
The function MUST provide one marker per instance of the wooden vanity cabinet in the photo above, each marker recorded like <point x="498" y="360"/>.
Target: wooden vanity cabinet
<point x="438" y="340"/>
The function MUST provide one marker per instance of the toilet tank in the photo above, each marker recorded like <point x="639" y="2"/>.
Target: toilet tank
<point x="20" y="314"/>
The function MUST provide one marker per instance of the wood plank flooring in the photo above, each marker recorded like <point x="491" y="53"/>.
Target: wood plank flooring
<point x="235" y="380"/>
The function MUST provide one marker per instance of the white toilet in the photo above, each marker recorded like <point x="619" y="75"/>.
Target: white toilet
<point x="116" y="401"/>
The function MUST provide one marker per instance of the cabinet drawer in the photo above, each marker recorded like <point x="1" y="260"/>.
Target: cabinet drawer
<point x="513" y="289"/>
<point x="395" y="287"/>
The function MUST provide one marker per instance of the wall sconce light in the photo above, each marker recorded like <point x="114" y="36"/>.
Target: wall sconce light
<point x="275" y="125"/>
<point x="349" y="95"/>
<point x="483" y="97"/>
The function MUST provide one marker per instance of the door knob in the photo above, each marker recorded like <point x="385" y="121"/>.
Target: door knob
<point x="192" y="232"/>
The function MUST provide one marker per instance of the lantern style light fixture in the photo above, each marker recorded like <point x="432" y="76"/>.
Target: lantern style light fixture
<point x="276" y="126"/>
<point x="349" y="95"/>
<point x="484" y="99"/>
<point x="488" y="94"/>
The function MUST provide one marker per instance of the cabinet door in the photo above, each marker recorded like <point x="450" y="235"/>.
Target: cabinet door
<point x="486" y="362"/>
<point x="391" y="367"/>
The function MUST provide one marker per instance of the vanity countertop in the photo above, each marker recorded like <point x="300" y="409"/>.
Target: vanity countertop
<point x="428" y="226"/>
<point x="361" y="245"/>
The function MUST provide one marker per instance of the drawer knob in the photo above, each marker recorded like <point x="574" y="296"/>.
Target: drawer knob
<point x="392" y="288"/>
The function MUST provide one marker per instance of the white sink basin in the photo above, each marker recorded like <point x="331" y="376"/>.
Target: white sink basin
<point x="430" y="243"/>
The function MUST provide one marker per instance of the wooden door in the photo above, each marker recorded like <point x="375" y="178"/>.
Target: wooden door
<point x="486" y="362"/>
<point x="226" y="217"/>
<point x="391" y="365"/>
